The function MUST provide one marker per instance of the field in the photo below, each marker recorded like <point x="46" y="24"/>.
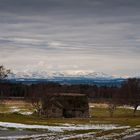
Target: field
<point x="17" y="121"/>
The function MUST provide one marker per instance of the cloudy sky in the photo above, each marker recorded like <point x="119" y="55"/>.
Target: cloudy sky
<point x="75" y="35"/>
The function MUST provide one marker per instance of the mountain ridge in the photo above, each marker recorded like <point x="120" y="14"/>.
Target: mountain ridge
<point x="91" y="78"/>
<point x="45" y="75"/>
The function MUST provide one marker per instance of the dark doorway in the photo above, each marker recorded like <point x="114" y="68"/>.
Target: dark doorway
<point x="67" y="114"/>
<point x="64" y="113"/>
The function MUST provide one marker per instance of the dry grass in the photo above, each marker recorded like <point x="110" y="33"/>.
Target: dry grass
<point x="15" y="102"/>
<point x="99" y="114"/>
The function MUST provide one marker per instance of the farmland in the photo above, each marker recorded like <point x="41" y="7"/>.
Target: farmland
<point x="18" y="121"/>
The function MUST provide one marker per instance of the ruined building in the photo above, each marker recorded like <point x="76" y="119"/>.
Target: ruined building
<point x="65" y="105"/>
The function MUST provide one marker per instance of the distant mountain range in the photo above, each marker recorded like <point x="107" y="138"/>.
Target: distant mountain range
<point x="69" y="77"/>
<point x="48" y="75"/>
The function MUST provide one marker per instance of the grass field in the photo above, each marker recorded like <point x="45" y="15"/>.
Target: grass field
<point x="15" y="112"/>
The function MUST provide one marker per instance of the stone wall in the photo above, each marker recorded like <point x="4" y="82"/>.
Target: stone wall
<point x="68" y="106"/>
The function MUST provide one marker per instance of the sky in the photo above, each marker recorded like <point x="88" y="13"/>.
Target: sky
<point x="71" y="35"/>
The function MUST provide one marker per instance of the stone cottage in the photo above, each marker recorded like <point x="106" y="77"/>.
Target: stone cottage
<point x="67" y="105"/>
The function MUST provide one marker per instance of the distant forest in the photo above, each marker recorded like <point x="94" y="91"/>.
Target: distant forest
<point x="22" y="90"/>
<point x="130" y="89"/>
<point x="127" y="94"/>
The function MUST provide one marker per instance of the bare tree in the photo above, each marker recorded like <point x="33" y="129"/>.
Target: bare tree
<point x="113" y="101"/>
<point x="111" y="109"/>
<point x="3" y="74"/>
<point x="37" y="105"/>
<point x="36" y="96"/>
<point x="130" y="93"/>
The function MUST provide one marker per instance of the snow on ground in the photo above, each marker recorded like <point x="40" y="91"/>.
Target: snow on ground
<point x="104" y="105"/>
<point x="53" y="132"/>
<point x="137" y="135"/>
<point x="81" y="136"/>
<point x="48" y="136"/>
<point x="128" y="133"/>
<point x="92" y="106"/>
<point x="26" y="113"/>
<point x="2" y="128"/>
<point x="129" y="107"/>
<point x="34" y="136"/>
<point x="62" y="128"/>
<point x="14" y="109"/>
<point x="131" y="133"/>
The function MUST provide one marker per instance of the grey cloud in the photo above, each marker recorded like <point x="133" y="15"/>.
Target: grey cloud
<point x="59" y="30"/>
<point x="71" y="7"/>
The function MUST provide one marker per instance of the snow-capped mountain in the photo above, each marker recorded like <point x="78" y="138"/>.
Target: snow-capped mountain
<point x="66" y="77"/>
<point x="51" y="75"/>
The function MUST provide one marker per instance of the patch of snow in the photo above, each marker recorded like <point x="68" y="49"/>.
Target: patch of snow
<point x="2" y="128"/>
<point x="65" y="124"/>
<point x="92" y="106"/>
<point x="34" y="136"/>
<point x="62" y="128"/>
<point x="26" y="113"/>
<point x="129" y="107"/>
<point x="131" y="134"/>
<point x="87" y="135"/>
<point x="14" y="109"/>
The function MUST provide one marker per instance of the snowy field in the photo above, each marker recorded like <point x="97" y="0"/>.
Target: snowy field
<point x="15" y="131"/>
<point x="62" y="128"/>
